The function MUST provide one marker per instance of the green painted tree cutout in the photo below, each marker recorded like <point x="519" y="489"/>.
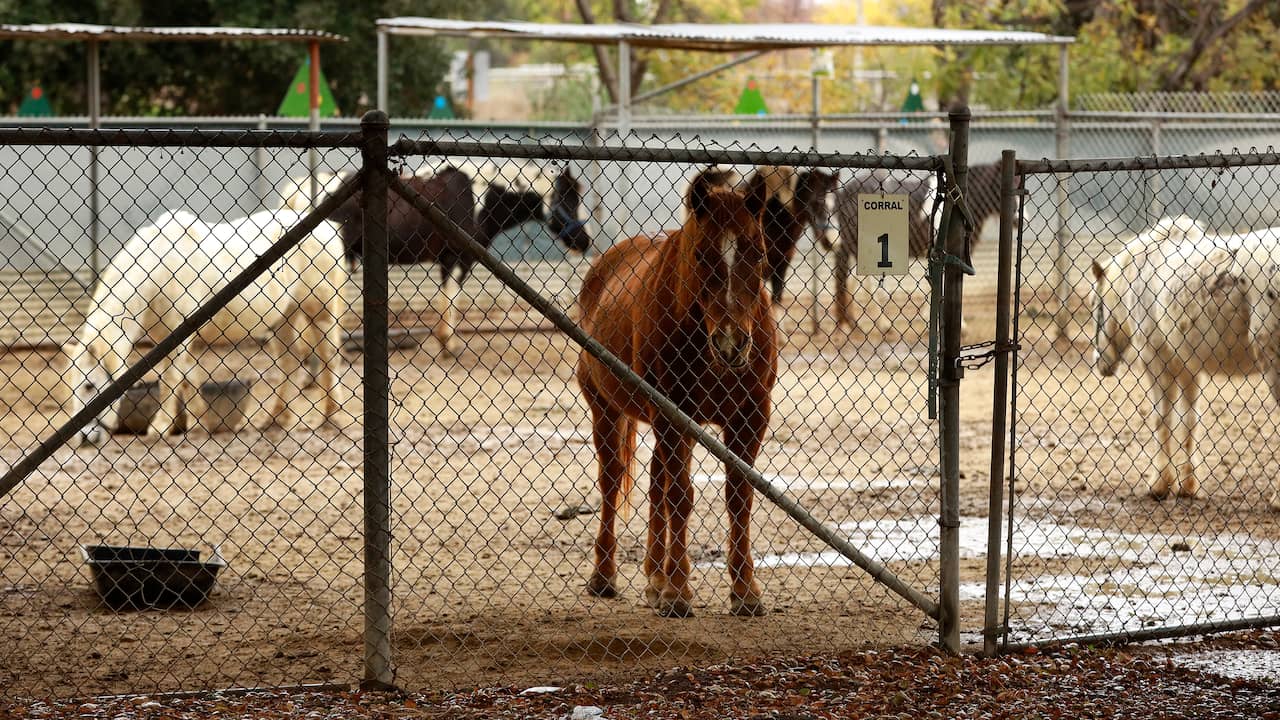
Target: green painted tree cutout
<point x="297" y="101"/>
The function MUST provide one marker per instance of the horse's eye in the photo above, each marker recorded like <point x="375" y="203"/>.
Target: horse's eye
<point x="1271" y="294"/>
<point x="89" y="386"/>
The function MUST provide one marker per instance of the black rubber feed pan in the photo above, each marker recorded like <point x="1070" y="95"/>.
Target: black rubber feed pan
<point x="133" y="578"/>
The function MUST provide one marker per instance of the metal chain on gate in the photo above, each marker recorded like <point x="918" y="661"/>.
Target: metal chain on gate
<point x="975" y="361"/>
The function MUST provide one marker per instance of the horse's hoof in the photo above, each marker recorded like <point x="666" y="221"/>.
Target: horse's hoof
<point x="283" y="420"/>
<point x="751" y="606"/>
<point x="1161" y="488"/>
<point x="602" y="586"/>
<point x="675" y="608"/>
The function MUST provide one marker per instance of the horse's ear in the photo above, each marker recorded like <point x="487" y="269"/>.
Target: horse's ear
<point x="698" y="198"/>
<point x="1098" y="272"/>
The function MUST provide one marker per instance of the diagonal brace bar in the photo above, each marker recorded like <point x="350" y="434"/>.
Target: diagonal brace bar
<point x="461" y="242"/>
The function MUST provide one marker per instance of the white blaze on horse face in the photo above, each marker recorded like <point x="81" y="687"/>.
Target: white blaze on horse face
<point x="729" y="249"/>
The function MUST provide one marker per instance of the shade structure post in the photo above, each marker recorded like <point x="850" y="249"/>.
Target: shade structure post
<point x="95" y="123"/>
<point x="382" y="71"/>
<point x="624" y="89"/>
<point x="1062" y="263"/>
<point x="313" y="80"/>
<point x="815" y="259"/>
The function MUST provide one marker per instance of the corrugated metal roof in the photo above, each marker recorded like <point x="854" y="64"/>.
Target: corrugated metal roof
<point x="81" y="31"/>
<point x="716" y="37"/>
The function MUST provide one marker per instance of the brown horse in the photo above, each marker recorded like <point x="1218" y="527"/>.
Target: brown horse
<point x="984" y="203"/>
<point x="688" y="311"/>
<point x="794" y="200"/>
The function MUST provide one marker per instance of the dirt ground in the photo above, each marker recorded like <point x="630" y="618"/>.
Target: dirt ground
<point x="489" y="448"/>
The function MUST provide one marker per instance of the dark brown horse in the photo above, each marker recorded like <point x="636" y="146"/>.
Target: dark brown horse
<point x="983" y="198"/>
<point x="412" y="239"/>
<point x="795" y="199"/>
<point x="688" y="311"/>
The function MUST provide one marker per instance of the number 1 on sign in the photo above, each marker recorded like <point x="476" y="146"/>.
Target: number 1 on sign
<point x="882" y="234"/>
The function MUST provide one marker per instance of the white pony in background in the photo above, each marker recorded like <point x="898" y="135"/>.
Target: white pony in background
<point x="1189" y="303"/>
<point x="170" y="268"/>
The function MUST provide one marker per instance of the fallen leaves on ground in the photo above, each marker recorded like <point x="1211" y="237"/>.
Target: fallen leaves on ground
<point x="915" y="684"/>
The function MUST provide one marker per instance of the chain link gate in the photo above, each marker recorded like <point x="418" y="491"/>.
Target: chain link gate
<point x="494" y="491"/>
<point x="474" y="525"/>
<point x="1142" y="430"/>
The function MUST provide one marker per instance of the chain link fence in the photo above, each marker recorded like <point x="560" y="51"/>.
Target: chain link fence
<point x="1140" y="482"/>
<point x="470" y="560"/>
<point x="487" y="441"/>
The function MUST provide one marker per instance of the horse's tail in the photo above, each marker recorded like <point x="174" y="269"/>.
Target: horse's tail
<point x="627" y="457"/>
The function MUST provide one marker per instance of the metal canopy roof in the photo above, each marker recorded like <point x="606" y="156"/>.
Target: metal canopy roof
<point x="81" y="31"/>
<point x="721" y="38"/>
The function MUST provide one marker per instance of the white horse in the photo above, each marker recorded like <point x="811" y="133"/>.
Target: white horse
<point x="1189" y="303"/>
<point x="170" y="268"/>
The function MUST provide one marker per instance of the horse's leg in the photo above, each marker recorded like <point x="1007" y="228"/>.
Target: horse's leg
<point x="1162" y="389"/>
<point x="841" y="273"/>
<point x="1271" y="369"/>
<point x="667" y="561"/>
<point x="283" y="347"/>
<point x="656" y="539"/>
<point x="176" y="393"/>
<point x="614" y="435"/>
<point x="323" y="336"/>
<point x="451" y="276"/>
<point x="1189" y="384"/>
<point x="743" y="438"/>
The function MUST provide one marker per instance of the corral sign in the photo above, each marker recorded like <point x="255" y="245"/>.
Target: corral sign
<point x="882" y="234"/>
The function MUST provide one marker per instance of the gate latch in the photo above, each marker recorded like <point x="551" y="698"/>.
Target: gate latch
<point x="975" y="360"/>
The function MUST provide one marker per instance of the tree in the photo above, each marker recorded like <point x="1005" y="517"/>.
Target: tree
<point x="647" y="13"/>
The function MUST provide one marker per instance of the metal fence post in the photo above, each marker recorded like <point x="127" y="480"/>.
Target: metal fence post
<point x="999" y="404"/>
<point x="377" y="460"/>
<point x="949" y="390"/>
<point x="815" y="259"/>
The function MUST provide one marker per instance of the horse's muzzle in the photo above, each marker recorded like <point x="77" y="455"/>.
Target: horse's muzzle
<point x="733" y="348"/>
<point x="1105" y="365"/>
